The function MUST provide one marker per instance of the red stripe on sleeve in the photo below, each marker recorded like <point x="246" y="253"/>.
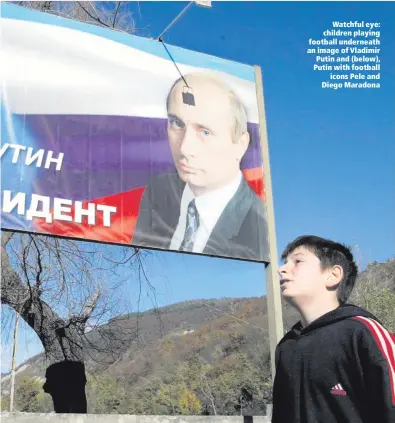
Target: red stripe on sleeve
<point x="386" y="344"/>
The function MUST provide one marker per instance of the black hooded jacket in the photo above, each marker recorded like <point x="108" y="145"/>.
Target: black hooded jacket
<point x="338" y="369"/>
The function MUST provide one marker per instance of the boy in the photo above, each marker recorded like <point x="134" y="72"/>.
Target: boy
<point x="338" y="363"/>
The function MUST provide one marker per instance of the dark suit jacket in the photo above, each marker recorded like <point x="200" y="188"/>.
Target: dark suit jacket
<point x="241" y="230"/>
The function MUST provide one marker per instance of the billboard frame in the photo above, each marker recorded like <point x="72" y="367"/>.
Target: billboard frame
<point x="273" y="294"/>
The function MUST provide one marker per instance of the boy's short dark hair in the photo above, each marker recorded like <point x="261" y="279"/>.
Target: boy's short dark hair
<point x="330" y="254"/>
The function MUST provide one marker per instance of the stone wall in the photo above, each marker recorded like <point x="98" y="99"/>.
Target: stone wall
<point x="116" y="418"/>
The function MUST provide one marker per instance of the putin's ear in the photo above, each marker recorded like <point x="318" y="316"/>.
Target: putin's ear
<point x="243" y="143"/>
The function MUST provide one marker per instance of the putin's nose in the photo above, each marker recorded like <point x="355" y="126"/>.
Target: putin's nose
<point x="189" y="143"/>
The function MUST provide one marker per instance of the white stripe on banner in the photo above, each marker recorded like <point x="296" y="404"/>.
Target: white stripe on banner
<point x="47" y="69"/>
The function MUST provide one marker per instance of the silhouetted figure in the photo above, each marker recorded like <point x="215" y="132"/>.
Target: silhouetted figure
<point x="244" y="400"/>
<point x="205" y="412"/>
<point x="65" y="382"/>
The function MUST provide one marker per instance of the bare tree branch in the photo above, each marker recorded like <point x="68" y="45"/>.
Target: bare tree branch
<point x="5" y="238"/>
<point x="90" y="305"/>
<point x="115" y="14"/>
<point x="208" y="394"/>
<point x="97" y="19"/>
<point x="39" y="263"/>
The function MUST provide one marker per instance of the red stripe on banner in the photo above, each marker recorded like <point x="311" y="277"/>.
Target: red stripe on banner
<point x="122" y="226"/>
<point x="254" y="178"/>
<point x="124" y="220"/>
<point x="386" y="344"/>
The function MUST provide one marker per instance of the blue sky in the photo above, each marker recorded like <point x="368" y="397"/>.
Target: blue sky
<point x="332" y="152"/>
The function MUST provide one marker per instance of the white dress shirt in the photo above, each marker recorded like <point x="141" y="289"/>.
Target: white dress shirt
<point x="210" y="207"/>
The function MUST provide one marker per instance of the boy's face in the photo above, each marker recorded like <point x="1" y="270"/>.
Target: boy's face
<point x="302" y="278"/>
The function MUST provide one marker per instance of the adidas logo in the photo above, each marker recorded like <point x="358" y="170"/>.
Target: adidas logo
<point x="338" y="390"/>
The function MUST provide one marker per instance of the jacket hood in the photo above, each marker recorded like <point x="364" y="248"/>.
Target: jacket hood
<point x="341" y="313"/>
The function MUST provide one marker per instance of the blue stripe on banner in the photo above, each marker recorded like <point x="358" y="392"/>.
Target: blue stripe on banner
<point x="104" y="155"/>
<point x="180" y="55"/>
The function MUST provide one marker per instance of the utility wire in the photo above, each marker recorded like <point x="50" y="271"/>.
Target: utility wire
<point x="160" y="38"/>
<point x="175" y="64"/>
<point x="175" y="20"/>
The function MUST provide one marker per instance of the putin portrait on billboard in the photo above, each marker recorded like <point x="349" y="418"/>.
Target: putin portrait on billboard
<point x="205" y="206"/>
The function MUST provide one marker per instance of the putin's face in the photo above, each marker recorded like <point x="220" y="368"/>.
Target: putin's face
<point x="205" y="152"/>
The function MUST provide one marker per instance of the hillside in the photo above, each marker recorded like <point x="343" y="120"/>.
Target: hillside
<point x="215" y="338"/>
<point x="192" y="357"/>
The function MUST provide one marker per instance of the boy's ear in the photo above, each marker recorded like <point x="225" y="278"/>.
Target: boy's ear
<point x="335" y="276"/>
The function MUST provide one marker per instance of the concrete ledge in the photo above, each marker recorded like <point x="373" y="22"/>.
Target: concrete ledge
<point x="117" y="418"/>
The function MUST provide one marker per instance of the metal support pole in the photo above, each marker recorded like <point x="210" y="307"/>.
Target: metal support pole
<point x="273" y="293"/>
<point x="13" y="363"/>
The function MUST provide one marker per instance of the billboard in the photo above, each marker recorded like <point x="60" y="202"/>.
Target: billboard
<point x="120" y="139"/>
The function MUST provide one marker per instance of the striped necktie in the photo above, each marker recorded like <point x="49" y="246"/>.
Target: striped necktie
<point x="191" y="228"/>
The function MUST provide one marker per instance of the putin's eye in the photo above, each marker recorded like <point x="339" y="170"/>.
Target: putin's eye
<point x="176" y="124"/>
<point x="205" y="132"/>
